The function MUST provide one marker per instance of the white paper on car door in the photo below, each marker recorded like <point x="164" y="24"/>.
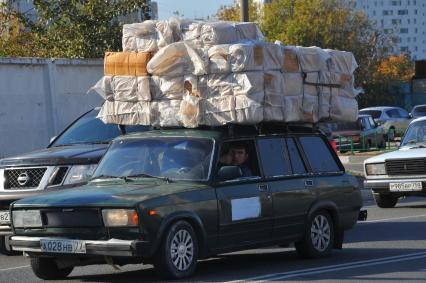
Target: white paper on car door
<point x="245" y="208"/>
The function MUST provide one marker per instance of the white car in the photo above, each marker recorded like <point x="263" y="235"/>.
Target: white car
<point x="402" y="172"/>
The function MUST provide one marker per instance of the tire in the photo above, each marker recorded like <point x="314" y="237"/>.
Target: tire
<point x="5" y="248"/>
<point x="314" y="244"/>
<point x="47" y="269"/>
<point x="177" y="255"/>
<point x="385" y="200"/>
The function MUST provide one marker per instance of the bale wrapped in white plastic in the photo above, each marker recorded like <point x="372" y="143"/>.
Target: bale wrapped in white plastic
<point x="163" y="87"/>
<point x="164" y="113"/>
<point x="312" y="59"/>
<point x="177" y="59"/>
<point x="341" y="61"/>
<point x="212" y="33"/>
<point x="310" y="111"/>
<point x="343" y="109"/>
<point x="244" y="83"/>
<point x="293" y="84"/>
<point x="149" y="36"/>
<point x="249" y="108"/>
<point x="125" y="113"/>
<point x="218" y="110"/>
<point x="293" y="108"/>
<point x="273" y="101"/>
<point x="130" y="88"/>
<point x="245" y="56"/>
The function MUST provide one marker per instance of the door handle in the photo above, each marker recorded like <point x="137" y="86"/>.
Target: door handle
<point x="263" y="187"/>
<point x="309" y="183"/>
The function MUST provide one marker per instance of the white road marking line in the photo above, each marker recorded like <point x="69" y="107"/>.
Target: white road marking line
<point x="390" y="219"/>
<point x="16" y="267"/>
<point x="321" y="269"/>
<point x="302" y="273"/>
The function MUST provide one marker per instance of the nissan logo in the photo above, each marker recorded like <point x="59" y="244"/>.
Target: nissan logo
<point x="23" y="178"/>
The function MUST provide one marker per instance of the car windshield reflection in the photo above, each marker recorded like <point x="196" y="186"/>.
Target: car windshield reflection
<point x="416" y="135"/>
<point x="165" y="158"/>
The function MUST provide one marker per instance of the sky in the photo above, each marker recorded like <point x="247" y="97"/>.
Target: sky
<point x="189" y="8"/>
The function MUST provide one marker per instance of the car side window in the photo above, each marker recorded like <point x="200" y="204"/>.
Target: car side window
<point x="273" y="155"/>
<point x="241" y="153"/>
<point x="393" y="113"/>
<point x="296" y="161"/>
<point x="318" y="155"/>
<point x="371" y="122"/>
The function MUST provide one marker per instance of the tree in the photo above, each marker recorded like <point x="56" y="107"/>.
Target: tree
<point x="78" y="29"/>
<point x="232" y="12"/>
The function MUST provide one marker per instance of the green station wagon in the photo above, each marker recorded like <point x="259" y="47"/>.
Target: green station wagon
<point x="171" y="197"/>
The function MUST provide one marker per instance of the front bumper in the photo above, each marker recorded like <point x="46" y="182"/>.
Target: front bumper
<point x="382" y="185"/>
<point x="112" y="247"/>
<point x="5" y="230"/>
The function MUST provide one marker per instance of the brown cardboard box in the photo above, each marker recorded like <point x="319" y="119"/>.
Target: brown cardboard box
<point x="126" y="63"/>
<point x="291" y="62"/>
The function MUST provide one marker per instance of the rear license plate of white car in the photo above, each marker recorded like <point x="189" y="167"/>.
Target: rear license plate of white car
<point x="4" y="217"/>
<point x="405" y="187"/>
<point x="63" y="246"/>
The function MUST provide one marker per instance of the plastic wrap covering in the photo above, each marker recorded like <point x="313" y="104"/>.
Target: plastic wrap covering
<point x="212" y="33"/>
<point x="165" y="113"/>
<point x="163" y="88"/>
<point x="189" y="111"/>
<point x="103" y="88"/>
<point x="129" y="88"/>
<point x="150" y="36"/>
<point x="217" y="111"/>
<point x="343" y="109"/>
<point x="125" y="113"/>
<point x="126" y="63"/>
<point x="273" y="101"/>
<point x="249" y="108"/>
<point x="247" y="56"/>
<point x="177" y="59"/>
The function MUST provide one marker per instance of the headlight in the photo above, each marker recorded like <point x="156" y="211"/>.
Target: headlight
<point x="27" y="218"/>
<point x="120" y="217"/>
<point x="375" y="169"/>
<point x="79" y="174"/>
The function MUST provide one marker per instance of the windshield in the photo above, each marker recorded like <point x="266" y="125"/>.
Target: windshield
<point x="415" y="134"/>
<point x="374" y="113"/>
<point x="172" y="158"/>
<point x="419" y="111"/>
<point x="89" y="129"/>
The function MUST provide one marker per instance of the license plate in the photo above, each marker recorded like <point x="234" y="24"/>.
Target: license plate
<point x="63" y="246"/>
<point x="405" y="187"/>
<point x="4" y="217"/>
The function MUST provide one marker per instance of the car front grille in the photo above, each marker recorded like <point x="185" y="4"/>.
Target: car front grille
<point x="72" y="218"/>
<point x="23" y="178"/>
<point x="406" y="167"/>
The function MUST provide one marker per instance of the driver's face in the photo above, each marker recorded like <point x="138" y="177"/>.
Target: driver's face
<point x="240" y="156"/>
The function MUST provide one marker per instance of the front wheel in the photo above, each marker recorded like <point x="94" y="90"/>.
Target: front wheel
<point x="385" y="200"/>
<point x="178" y="252"/>
<point x="319" y="236"/>
<point x="47" y="269"/>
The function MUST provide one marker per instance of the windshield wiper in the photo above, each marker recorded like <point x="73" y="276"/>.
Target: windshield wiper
<point x="105" y="177"/>
<point x="144" y="175"/>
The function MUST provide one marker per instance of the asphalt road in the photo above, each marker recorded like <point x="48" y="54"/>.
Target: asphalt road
<point x="389" y="247"/>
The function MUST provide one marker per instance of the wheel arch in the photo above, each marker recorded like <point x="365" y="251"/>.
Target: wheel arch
<point x="190" y="217"/>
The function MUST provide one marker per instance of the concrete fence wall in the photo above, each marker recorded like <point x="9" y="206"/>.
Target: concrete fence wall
<point x="40" y="97"/>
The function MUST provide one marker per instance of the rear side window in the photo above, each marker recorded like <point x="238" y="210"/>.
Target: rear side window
<point x="295" y="159"/>
<point x="374" y="113"/>
<point x="394" y="113"/>
<point x="273" y="155"/>
<point x="318" y="155"/>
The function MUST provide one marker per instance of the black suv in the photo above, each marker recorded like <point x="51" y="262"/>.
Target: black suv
<point x="171" y="197"/>
<point x="68" y="161"/>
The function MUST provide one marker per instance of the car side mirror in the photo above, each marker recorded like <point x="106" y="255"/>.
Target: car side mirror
<point x="229" y="172"/>
<point x="52" y="139"/>
<point x="410" y="115"/>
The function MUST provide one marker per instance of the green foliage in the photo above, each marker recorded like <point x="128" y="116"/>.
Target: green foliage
<point x="232" y="12"/>
<point x="77" y="28"/>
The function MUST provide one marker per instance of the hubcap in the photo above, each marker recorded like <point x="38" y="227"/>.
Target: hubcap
<point x="320" y="233"/>
<point x="182" y="250"/>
